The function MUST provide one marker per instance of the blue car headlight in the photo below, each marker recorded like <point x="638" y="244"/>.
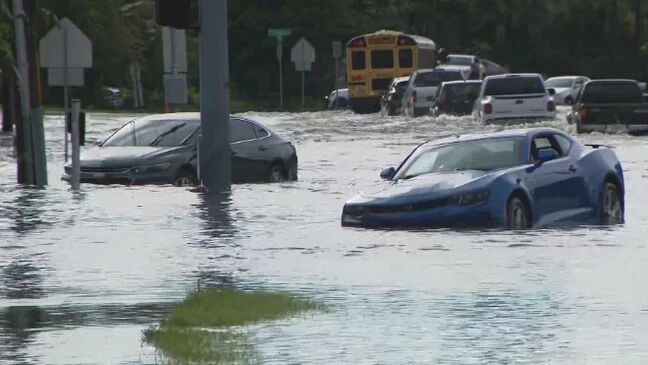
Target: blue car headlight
<point x="470" y="198"/>
<point x="149" y="169"/>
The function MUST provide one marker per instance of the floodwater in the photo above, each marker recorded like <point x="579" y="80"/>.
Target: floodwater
<point x="82" y="274"/>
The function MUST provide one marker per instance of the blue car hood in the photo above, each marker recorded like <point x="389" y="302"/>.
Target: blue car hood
<point x="422" y="186"/>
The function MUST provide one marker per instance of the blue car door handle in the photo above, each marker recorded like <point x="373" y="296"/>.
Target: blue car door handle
<point x="572" y="168"/>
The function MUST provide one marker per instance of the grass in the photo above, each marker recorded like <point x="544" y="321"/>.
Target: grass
<point x="199" y="330"/>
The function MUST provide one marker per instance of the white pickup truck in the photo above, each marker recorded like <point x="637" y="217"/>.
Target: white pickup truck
<point x="514" y="97"/>
<point x="421" y="89"/>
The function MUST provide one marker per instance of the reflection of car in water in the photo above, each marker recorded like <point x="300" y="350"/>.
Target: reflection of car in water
<point x="515" y="179"/>
<point x="337" y="99"/>
<point x="455" y="98"/>
<point x="163" y="148"/>
<point x="390" y="103"/>
<point x="112" y="97"/>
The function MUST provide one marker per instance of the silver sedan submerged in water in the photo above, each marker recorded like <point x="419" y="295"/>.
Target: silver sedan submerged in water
<point x="163" y="149"/>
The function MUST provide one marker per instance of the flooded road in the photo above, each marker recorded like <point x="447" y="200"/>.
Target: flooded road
<point x="82" y="274"/>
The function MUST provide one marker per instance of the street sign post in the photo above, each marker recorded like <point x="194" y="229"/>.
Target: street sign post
<point x="337" y="53"/>
<point x="302" y="55"/>
<point x="65" y="47"/>
<point x="279" y="33"/>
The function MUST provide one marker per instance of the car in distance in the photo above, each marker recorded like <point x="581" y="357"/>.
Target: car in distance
<point x="602" y="104"/>
<point x="421" y="88"/>
<point x="567" y="88"/>
<point x="455" y="98"/>
<point x="491" y="68"/>
<point x="112" y="97"/>
<point x="162" y="149"/>
<point x="390" y="103"/>
<point x="514" y="179"/>
<point x="512" y="98"/>
<point x="337" y="99"/>
<point x="464" y="64"/>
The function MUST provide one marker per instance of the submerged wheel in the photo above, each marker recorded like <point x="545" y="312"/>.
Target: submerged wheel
<point x="569" y="100"/>
<point x="185" y="177"/>
<point x="610" y="205"/>
<point x="517" y="214"/>
<point x="275" y="173"/>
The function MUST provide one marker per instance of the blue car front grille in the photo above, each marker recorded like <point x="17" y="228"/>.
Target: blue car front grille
<point x="359" y="210"/>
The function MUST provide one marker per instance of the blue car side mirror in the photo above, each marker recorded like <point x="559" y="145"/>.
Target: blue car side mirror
<point x="387" y="173"/>
<point x="546" y="154"/>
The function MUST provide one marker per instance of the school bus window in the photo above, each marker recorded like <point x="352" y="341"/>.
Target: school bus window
<point x="405" y="58"/>
<point x="358" y="60"/>
<point x="382" y="59"/>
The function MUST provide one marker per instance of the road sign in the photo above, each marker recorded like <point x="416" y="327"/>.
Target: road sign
<point x="303" y="55"/>
<point x="56" y="77"/>
<point x="79" y="47"/>
<point x="337" y="49"/>
<point x="174" y="50"/>
<point x="279" y="32"/>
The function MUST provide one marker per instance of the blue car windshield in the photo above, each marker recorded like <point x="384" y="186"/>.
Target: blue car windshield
<point x="484" y="155"/>
<point x="147" y="132"/>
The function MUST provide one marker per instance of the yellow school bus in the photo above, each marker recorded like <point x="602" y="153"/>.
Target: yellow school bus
<point x="374" y="59"/>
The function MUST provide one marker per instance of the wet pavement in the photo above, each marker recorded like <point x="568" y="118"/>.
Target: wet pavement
<point x="82" y="274"/>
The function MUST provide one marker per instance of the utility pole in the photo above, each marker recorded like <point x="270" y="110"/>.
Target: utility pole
<point x="24" y="154"/>
<point x="214" y="148"/>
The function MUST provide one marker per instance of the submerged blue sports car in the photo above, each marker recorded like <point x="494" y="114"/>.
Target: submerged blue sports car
<point x="514" y="179"/>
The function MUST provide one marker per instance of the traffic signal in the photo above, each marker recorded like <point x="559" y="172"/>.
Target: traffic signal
<point x="181" y="14"/>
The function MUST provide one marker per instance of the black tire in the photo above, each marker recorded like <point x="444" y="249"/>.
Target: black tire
<point x="610" y="211"/>
<point x="569" y="100"/>
<point x="185" y="177"/>
<point x="517" y="214"/>
<point x="276" y="173"/>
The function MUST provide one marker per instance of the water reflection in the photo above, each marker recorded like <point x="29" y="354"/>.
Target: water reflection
<point x="21" y="280"/>
<point x="215" y="213"/>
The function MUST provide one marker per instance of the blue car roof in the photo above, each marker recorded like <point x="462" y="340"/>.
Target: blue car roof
<point x="503" y="134"/>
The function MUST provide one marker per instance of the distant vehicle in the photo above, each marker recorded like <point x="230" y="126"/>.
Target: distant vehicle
<point x="464" y="63"/>
<point x="515" y="179"/>
<point x="604" y="103"/>
<point x="421" y="88"/>
<point x="514" y="97"/>
<point x="162" y="149"/>
<point x="337" y="99"/>
<point x="112" y="97"/>
<point x="567" y="88"/>
<point x="390" y="103"/>
<point x="491" y="68"/>
<point x="374" y="59"/>
<point x="455" y="98"/>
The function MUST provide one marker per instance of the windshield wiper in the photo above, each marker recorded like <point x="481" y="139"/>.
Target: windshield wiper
<point x="158" y="139"/>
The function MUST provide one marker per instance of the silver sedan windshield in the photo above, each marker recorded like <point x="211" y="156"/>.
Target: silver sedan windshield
<point x="485" y="155"/>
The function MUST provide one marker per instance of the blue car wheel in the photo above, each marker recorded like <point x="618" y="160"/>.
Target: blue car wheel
<point x="517" y="214"/>
<point x="610" y="205"/>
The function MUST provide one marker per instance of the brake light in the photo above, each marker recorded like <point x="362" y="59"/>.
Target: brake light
<point x="582" y="115"/>
<point x="406" y="41"/>
<point x="356" y="78"/>
<point x="413" y="96"/>
<point x="550" y="106"/>
<point x="357" y="43"/>
<point x="488" y="108"/>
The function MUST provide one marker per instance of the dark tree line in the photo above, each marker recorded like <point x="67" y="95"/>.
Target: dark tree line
<point x="598" y="38"/>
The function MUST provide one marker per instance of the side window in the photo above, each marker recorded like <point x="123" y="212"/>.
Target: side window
<point x="564" y="143"/>
<point x="241" y="130"/>
<point x="358" y="61"/>
<point x="405" y="58"/>
<point x="260" y="131"/>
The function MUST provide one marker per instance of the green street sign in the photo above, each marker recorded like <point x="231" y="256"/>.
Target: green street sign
<point x="279" y="32"/>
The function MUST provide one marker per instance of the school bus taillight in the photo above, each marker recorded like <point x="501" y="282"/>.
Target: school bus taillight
<point x="358" y="43"/>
